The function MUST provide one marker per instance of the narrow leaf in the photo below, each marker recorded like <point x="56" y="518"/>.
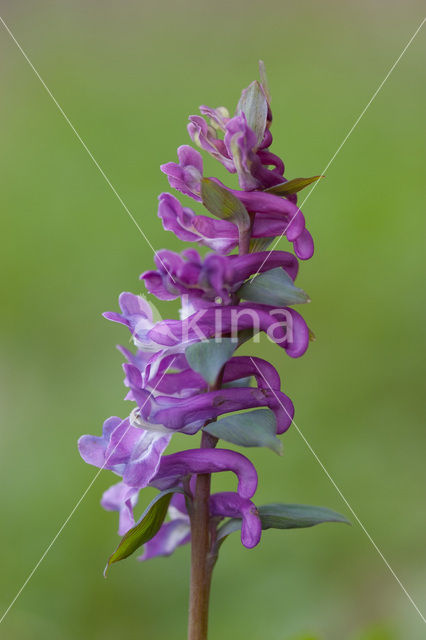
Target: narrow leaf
<point x="147" y="527"/>
<point x="254" y="105"/>
<point x="256" y="428"/>
<point x="283" y="516"/>
<point x="241" y="382"/>
<point x="296" y="516"/>
<point x="264" y="80"/>
<point x="230" y="526"/>
<point x="274" y="287"/>
<point x="208" y="357"/>
<point x="292" y="186"/>
<point x="223" y="204"/>
<point x="260" y="244"/>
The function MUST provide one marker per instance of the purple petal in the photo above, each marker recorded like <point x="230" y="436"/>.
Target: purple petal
<point x="261" y="202"/>
<point x="138" y="359"/>
<point x="219" y="117"/>
<point x="247" y="265"/>
<point x="240" y="142"/>
<point x="121" y="498"/>
<point x="136" y="453"/>
<point x="231" y="505"/>
<point x="186" y="176"/>
<point x="205" y="137"/>
<point x="189" y="414"/>
<point x="130" y="452"/>
<point x="136" y="315"/>
<point x="178" y="465"/>
<point x="243" y="366"/>
<point x="215" y="276"/>
<point x="270" y="159"/>
<point x="304" y="246"/>
<point x="284" y="326"/>
<point x="156" y="285"/>
<point x="219" y="235"/>
<point x="92" y="448"/>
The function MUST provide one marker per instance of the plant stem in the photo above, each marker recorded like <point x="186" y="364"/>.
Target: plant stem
<point x="202" y="560"/>
<point x="201" y="563"/>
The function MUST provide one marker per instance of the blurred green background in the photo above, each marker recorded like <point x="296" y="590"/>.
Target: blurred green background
<point x="128" y="74"/>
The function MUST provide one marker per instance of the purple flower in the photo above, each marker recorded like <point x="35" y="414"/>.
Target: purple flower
<point x="123" y="499"/>
<point x="189" y="414"/>
<point x="283" y="216"/>
<point x="185" y="176"/>
<point x="184" y="382"/>
<point x="177" y="531"/>
<point x="219" y="235"/>
<point x="174" y="467"/>
<point x="203" y="281"/>
<point x="229" y="504"/>
<point x="240" y="142"/>
<point x="205" y="136"/>
<point x="218" y="117"/>
<point x="131" y="452"/>
<point x="166" y="394"/>
<point x="243" y="149"/>
<point x="285" y="327"/>
<point x="136" y="315"/>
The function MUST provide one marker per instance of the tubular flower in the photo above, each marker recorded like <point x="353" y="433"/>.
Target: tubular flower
<point x="183" y="375"/>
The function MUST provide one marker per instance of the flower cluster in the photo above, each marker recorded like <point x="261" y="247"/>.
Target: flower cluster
<point x="184" y="374"/>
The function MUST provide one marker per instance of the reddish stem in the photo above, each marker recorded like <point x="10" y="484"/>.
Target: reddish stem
<point x="202" y="560"/>
<point x="201" y="563"/>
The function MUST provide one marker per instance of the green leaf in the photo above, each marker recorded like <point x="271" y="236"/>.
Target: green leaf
<point x="274" y="287"/>
<point x="254" y="105"/>
<point x="256" y="428"/>
<point x="223" y="204"/>
<point x="208" y="357"/>
<point x="230" y="526"/>
<point x="264" y="80"/>
<point x="292" y="186"/>
<point x="241" y="382"/>
<point x="260" y="244"/>
<point x="145" y="529"/>
<point x="283" y="516"/>
<point x="296" y="516"/>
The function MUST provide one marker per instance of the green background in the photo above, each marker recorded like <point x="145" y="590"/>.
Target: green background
<point x="128" y="74"/>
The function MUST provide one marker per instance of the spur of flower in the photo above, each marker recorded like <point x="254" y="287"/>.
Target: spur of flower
<point x="185" y="375"/>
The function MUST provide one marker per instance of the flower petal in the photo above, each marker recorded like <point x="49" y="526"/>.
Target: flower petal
<point x="121" y="498"/>
<point x="178" y="465"/>
<point x="231" y="505"/>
